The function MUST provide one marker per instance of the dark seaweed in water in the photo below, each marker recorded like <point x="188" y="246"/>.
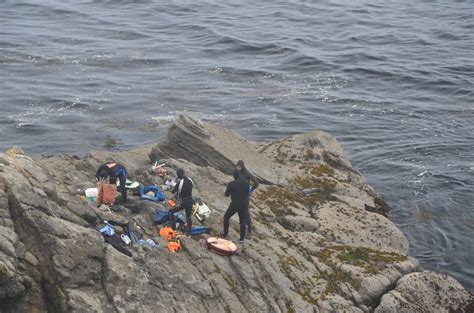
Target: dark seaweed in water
<point x="391" y="79"/>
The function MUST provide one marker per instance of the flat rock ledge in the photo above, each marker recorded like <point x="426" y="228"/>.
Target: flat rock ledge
<point x="322" y="240"/>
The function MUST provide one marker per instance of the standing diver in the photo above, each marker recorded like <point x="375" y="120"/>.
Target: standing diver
<point x="184" y="191"/>
<point x="238" y="190"/>
<point x="252" y="181"/>
<point x="112" y="170"/>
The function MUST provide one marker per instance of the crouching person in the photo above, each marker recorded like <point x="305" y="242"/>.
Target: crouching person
<point x="184" y="192"/>
<point x="112" y="171"/>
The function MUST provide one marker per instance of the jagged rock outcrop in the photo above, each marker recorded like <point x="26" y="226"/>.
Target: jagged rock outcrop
<point x="321" y="241"/>
<point x="211" y="145"/>
<point x="427" y="291"/>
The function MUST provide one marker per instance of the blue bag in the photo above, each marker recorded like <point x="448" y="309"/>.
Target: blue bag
<point x="107" y="230"/>
<point x="161" y="217"/>
<point x="159" y="195"/>
<point x="197" y="230"/>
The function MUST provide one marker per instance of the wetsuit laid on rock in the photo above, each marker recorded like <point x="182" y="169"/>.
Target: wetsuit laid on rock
<point x="252" y="181"/>
<point x="184" y="191"/>
<point x="238" y="190"/>
<point x="114" y="170"/>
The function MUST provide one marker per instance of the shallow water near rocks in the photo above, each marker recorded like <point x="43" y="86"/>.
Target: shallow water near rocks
<point x="393" y="81"/>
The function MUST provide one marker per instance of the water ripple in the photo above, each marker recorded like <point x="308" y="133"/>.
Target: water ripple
<point x="391" y="80"/>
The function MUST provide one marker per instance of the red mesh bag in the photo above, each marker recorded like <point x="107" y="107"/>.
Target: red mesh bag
<point x="107" y="193"/>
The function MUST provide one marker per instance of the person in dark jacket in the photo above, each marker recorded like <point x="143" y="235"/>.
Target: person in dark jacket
<point x="112" y="171"/>
<point x="238" y="190"/>
<point x="247" y="176"/>
<point x="184" y="192"/>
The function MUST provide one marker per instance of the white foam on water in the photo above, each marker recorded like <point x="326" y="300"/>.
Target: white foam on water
<point x="166" y="118"/>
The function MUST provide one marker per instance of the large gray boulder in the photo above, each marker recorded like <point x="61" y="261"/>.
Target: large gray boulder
<point x="427" y="291"/>
<point x="207" y="144"/>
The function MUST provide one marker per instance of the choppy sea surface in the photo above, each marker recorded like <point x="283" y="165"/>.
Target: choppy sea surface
<point x="392" y="80"/>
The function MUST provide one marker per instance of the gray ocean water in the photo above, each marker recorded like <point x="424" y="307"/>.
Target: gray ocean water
<point x="392" y="80"/>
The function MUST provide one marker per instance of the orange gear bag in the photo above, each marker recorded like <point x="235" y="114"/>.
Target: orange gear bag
<point x="174" y="246"/>
<point x="168" y="233"/>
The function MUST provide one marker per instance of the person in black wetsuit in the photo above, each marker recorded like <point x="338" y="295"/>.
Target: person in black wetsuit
<point x="252" y="181"/>
<point x="238" y="190"/>
<point x="184" y="191"/>
<point x="114" y="170"/>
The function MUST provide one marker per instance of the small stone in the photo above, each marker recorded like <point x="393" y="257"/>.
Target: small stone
<point x="40" y="192"/>
<point x="31" y="259"/>
<point x="27" y="281"/>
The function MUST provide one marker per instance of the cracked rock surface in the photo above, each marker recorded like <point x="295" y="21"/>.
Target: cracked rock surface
<point x="322" y="241"/>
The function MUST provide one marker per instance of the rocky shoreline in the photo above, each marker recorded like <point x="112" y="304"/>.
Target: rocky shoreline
<point x="322" y="240"/>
